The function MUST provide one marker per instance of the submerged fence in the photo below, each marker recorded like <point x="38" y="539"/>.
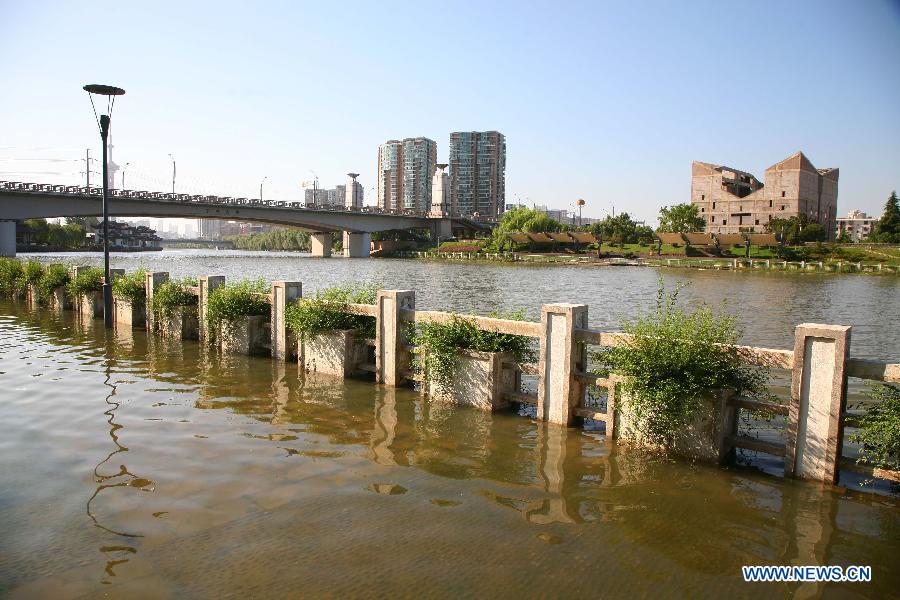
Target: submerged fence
<point x="819" y="364"/>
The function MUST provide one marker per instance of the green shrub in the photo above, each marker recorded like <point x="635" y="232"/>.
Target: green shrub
<point x="130" y="287"/>
<point x="879" y="430"/>
<point x="32" y="271"/>
<point x="11" y="281"/>
<point x="327" y="311"/>
<point x="174" y="294"/>
<point x="88" y="281"/>
<point x="54" y="276"/>
<point x="673" y="359"/>
<point x="439" y="346"/>
<point x="232" y="302"/>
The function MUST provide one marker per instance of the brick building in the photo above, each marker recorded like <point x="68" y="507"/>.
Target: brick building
<point x="732" y="201"/>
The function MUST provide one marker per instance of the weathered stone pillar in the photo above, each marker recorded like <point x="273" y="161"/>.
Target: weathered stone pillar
<point x="357" y="245"/>
<point x="390" y="340"/>
<point x="283" y="293"/>
<point x="818" y="399"/>
<point x="320" y="244"/>
<point x="153" y="280"/>
<point x="7" y="238"/>
<point x="560" y="357"/>
<point x="207" y="284"/>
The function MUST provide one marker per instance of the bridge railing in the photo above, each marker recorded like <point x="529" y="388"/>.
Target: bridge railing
<point x="72" y="190"/>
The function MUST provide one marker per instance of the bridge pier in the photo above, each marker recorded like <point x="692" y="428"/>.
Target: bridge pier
<point x="357" y="245"/>
<point x="7" y="238"/>
<point x="320" y="243"/>
<point x="441" y="229"/>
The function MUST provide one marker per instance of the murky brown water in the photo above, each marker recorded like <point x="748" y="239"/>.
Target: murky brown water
<point x="131" y="467"/>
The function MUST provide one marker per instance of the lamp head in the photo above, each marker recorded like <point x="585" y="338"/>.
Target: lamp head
<point x="103" y="90"/>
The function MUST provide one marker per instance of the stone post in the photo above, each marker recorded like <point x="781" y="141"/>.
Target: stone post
<point x="390" y="339"/>
<point x="207" y="284"/>
<point x="283" y="293"/>
<point x="320" y="244"/>
<point x="560" y="357"/>
<point x="818" y="400"/>
<point x="153" y="280"/>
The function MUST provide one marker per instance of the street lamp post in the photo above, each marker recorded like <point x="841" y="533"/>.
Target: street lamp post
<point x="173" y="173"/>
<point x="123" y="174"/>
<point x="260" y="187"/>
<point x="103" y="122"/>
<point x="580" y="203"/>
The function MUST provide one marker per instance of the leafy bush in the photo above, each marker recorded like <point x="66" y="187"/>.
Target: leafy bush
<point x="54" y="276"/>
<point x="11" y="277"/>
<point x="327" y="311"/>
<point x="879" y="430"/>
<point x="32" y="271"/>
<point x="88" y="281"/>
<point x="675" y="358"/>
<point x="440" y="343"/>
<point x="232" y="302"/>
<point x="173" y="294"/>
<point x="131" y="287"/>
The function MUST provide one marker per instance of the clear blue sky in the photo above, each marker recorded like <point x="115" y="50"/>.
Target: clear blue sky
<point x="606" y="101"/>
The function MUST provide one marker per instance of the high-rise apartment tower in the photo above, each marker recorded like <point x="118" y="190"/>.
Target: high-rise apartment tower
<point x="405" y="169"/>
<point x="477" y="173"/>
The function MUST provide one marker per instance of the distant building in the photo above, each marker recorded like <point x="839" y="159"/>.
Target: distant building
<point x="440" y="192"/>
<point x="405" y="171"/>
<point x="857" y="226"/>
<point x="353" y="192"/>
<point x="126" y="235"/>
<point x="732" y="201"/>
<point x="336" y="196"/>
<point x="477" y="162"/>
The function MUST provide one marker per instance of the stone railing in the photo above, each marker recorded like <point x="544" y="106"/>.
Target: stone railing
<point x="819" y="365"/>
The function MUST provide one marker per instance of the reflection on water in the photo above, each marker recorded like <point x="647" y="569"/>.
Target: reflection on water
<point x="141" y="466"/>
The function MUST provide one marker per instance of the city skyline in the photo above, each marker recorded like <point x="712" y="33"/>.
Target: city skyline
<point x="585" y="121"/>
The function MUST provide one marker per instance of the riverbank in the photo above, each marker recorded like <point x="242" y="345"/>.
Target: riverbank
<point x="662" y="261"/>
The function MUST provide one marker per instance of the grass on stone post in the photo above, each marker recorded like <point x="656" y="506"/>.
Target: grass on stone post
<point x="131" y="287"/>
<point x="54" y="276"/>
<point x="11" y="279"/>
<point x="88" y="281"/>
<point x="174" y="294"/>
<point x="672" y="361"/>
<point x="327" y="311"/>
<point x="228" y="304"/>
<point x="440" y="344"/>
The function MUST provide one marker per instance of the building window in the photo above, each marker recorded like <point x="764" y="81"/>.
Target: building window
<point x="782" y="193"/>
<point x="714" y="206"/>
<point x="714" y="218"/>
<point x="770" y="204"/>
<point x="757" y="221"/>
<point x="740" y="208"/>
<point x="703" y="196"/>
<point x="782" y="207"/>
<point x="702" y="210"/>
<point x="724" y="222"/>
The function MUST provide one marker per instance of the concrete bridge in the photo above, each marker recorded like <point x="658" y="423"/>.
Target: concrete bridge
<point x="20" y="201"/>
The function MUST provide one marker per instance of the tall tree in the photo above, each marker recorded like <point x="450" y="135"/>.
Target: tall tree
<point x="887" y="230"/>
<point x="681" y="218"/>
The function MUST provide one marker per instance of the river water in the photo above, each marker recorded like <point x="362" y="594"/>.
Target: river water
<point x="133" y="467"/>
